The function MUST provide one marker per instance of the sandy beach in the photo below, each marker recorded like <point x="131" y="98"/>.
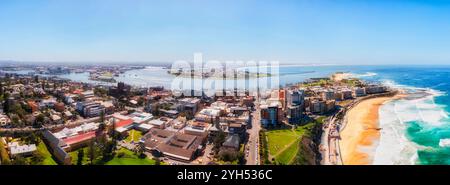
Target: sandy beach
<point x="359" y="137"/>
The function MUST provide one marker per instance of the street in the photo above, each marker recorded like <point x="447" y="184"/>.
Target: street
<point x="252" y="147"/>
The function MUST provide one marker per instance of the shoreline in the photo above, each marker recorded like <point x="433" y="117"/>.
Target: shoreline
<point x="360" y="134"/>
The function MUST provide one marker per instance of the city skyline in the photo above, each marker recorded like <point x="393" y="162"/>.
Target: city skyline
<point x="292" y="32"/>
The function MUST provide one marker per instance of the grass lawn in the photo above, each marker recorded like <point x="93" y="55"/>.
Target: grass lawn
<point x="48" y="156"/>
<point x="288" y="155"/>
<point x="283" y="144"/>
<point x="134" y="135"/>
<point x="48" y="159"/>
<point x="74" y="155"/>
<point x="129" y="158"/>
<point x="279" y="139"/>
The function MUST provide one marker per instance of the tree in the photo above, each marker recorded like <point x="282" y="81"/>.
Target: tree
<point x="102" y="117"/>
<point x="4" y="154"/>
<point x="80" y="156"/>
<point x="101" y="127"/>
<point x="92" y="153"/>
<point x="157" y="161"/>
<point x="218" y="140"/>
<point x="140" y="152"/>
<point x="108" y="150"/>
<point x="155" y="109"/>
<point x="39" y="121"/>
<point x="6" y="162"/>
<point x="17" y="108"/>
<point x="100" y="92"/>
<point x="38" y="157"/>
<point x="19" y="161"/>
<point x="6" y="105"/>
<point x="1" y="89"/>
<point x="183" y="114"/>
<point x="15" y="120"/>
<point x="32" y="138"/>
<point x="112" y="132"/>
<point x="141" y="101"/>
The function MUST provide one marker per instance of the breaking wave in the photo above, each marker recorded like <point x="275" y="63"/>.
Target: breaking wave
<point x="396" y="146"/>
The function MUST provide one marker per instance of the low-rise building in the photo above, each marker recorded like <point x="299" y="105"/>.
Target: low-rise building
<point x="4" y="120"/>
<point x="174" y="145"/>
<point x="87" y="94"/>
<point x="90" y="109"/>
<point x="178" y="124"/>
<point x="197" y="128"/>
<point x="158" y="123"/>
<point x="56" y="119"/>
<point x="76" y="137"/>
<point x="169" y="113"/>
<point x="144" y="127"/>
<point x="232" y="142"/>
<point x="189" y="105"/>
<point x="15" y="149"/>
<point x="59" y="106"/>
<point x="141" y="117"/>
<point x="209" y="115"/>
<point x="33" y="106"/>
<point x="57" y="148"/>
<point x="123" y="126"/>
<point x="50" y="103"/>
<point x="69" y="115"/>
<point x="109" y="106"/>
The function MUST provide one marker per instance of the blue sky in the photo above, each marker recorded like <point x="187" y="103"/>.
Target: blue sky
<point x="319" y="31"/>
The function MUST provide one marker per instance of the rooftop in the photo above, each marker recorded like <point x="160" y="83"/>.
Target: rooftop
<point x="140" y="117"/>
<point x="69" y="132"/>
<point x="15" y="148"/>
<point x="156" y="122"/>
<point x="124" y="123"/>
<point x="175" y="144"/>
<point x="79" y="138"/>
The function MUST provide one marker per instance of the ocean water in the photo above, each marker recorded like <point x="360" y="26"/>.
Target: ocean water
<point x="412" y="128"/>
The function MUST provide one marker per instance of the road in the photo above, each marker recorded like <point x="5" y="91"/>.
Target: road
<point x="206" y="158"/>
<point x="252" y="156"/>
<point x="329" y="146"/>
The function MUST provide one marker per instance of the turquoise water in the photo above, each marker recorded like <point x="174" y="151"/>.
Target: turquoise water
<point x="425" y="120"/>
<point x="429" y="136"/>
<point x="422" y="123"/>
